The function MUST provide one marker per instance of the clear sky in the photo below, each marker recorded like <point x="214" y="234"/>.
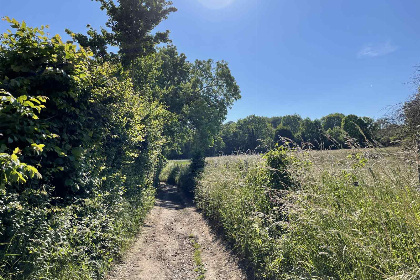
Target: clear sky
<point x="311" y="57"/>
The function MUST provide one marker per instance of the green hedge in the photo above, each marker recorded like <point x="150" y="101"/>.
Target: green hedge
<point x="80" y="150"/>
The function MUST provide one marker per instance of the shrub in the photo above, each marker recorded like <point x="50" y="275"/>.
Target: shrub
<point x="77" y="159"/>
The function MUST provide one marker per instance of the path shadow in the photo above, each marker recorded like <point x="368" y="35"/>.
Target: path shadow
<point x="169" y="197"/>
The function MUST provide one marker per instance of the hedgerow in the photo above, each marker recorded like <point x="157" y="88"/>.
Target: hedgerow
<point x="79" y="153"/>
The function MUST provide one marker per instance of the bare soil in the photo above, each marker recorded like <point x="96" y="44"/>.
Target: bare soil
<point x="164" y="248"/>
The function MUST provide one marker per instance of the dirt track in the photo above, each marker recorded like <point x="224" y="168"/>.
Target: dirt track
<point x="164" y="248"/>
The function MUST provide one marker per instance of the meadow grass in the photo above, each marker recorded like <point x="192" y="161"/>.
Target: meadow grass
<point x="348" y="214"/>
<point x="180" y="161"/>
<point x="173" y="170"/>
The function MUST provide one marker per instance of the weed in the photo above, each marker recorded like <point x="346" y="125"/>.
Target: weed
<point x="200" y="269"/>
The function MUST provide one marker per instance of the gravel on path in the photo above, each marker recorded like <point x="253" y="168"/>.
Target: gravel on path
<point x="164" y="249"/>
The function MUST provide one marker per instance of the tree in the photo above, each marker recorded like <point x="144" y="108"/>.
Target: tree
<point x="387" y="131"/>
<point x="411" y="111"/>
<point x="230" y="137"/>
<point x="293" y="122"/>
<point x="336" y="137"/>
<point x="96" y="42"/>
<point x="210" y="91"/>
<point x="311" y="132"/>
<point x="332" y="120"/>
<point x="357" y="129"/>
<point x="164" y="77"/>
<point x="131" y="23"/>
<point x="275" y="121"/>
<point x="198" y="95"/>
<point x="282" y="132"/>
<point x="255" y="133"/>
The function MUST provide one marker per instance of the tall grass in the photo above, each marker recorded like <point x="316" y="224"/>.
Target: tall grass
<point x="351" y="214"/>
<point x="173" y="171"/>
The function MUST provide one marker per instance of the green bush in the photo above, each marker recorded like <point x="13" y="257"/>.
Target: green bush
<point x="80" y="150"/>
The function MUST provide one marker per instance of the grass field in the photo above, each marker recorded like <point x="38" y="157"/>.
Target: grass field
<point x="347" y="214"/>
<point x="180" y="161"/>
<point x="173" y="171"/>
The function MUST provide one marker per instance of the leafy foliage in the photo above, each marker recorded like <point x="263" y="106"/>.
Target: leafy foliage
<point x="131" y="23"/>
<point x="356" y="128"/>
<point x="78" y="159"/>
<point x="411" y="114"/>
<point x="311" y="133"/>
<point x="255" y="133"/>
<point x="281" y="133"/>
<point x="332" y="120"/>
<point x="334" y="131"/>
<point x="292" y="121"/>
<point x="83" y="137"/>
<point x="411" y="110"/>
<point x="20" y="115"/>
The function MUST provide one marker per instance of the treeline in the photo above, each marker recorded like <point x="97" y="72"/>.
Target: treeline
<point x="334" y="131"/>
<point x="84" y="133"/>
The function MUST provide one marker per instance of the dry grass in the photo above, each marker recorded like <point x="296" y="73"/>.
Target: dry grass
<point x="352" y="214"/>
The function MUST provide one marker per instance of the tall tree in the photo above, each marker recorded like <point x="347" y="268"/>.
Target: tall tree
<point x="388" y="131"/>
<point x="281" y="133"/>
<point x="210" y="92"/>
<point x="357" y="129"/>
<point x="255" y="133"/>
<point x="311" y="132"/>
<point x="336" y="138"/>
<point x="293" y="122"/>
<point x="275" y="121"/>
<point x="229" y="134"/>
<point x="131" y="23"/>
<point x="332" y="120"/>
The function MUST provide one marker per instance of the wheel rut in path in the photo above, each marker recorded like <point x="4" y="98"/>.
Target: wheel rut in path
<point x="164" y="248"/>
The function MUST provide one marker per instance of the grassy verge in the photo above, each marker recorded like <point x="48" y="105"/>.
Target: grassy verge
<point x="200" y="269"/>
<point x="351" y="214"/>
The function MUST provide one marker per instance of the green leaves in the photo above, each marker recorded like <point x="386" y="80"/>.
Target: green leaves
<point x="77" y="152"/>
<point x="131" y="24"/>
<point x="210" y="91"/>
<point x="38" y="148"/>
<point x="15" y="171"/>
<point x="96" y="131"/>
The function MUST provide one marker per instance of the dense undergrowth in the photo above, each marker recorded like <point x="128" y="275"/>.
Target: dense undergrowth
<point x="79" y="153"/>
<point x="352" y="214"/>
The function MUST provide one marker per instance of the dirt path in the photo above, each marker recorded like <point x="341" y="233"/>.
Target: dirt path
<point x="165" y="247"/>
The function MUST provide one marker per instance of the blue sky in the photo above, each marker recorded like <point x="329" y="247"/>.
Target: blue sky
<point x="310" y="57"/>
